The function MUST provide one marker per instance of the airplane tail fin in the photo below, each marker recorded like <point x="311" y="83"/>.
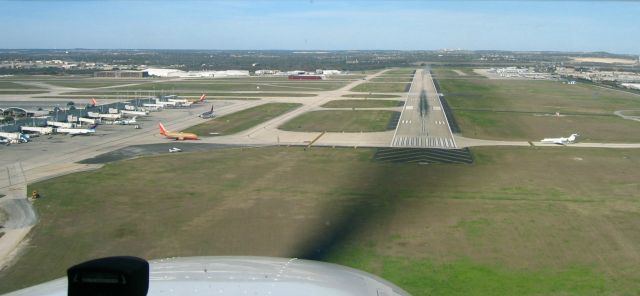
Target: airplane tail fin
<point x="163" y="131"/>
<point x="211" y="109"/>
<point x="203" y="97"/>
<point x="93" y="127"/>
<point x="93" y="102"/>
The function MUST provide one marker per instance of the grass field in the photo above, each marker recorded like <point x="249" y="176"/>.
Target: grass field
<point x="93" y="83"/>
<point x="238" y="86"/>
<point x="340" y="121"/>
<point x="376" y="96"/>
<point x="242" y="120"/>
<point x="588" y="110"/>
<point x="533" y="126"/>
<point x="21" y="92"/>
<point x="209" y="95"/>
<point x="381" y="87"/>
<point x="392" y="79"/>
<point x="631" y="112"/>
<point x="567" y="226"/>
<point x="362" y="104"/>
<point x="400" y="71"/>
<point x="13" y="85"/>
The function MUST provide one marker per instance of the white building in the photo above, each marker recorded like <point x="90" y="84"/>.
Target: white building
<point x="196" y="74"/>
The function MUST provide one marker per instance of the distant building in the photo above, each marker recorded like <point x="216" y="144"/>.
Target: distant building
<point x="266" y="72"/>
<point x="121" y="74"/>
<point x="196" y="74"/>
<point x="328" y="72"/>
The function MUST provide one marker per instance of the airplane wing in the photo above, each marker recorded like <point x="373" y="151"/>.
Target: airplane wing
<point x="244" y="276"/>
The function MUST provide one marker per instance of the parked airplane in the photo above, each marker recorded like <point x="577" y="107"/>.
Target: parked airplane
<point x="103" y="116"/>
<point x="40" y="130"/>
<point x="77" y="131"/>
<point x="126" y="121"/>
<point x="208" y="114"/>
<point x="166" y="104"/>
<point x="153" y="107"/>
<point x="177" y="135"/>
<point x="187" y="103"/>
<point x="14" y="138"/>
<point x="179" y="101"/>
<point x="202" y="98"/>
<point x="133" y="113"/>
<point x="560" y="141"/>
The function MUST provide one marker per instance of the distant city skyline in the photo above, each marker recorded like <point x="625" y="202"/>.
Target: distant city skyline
<point x="610" y="26"/>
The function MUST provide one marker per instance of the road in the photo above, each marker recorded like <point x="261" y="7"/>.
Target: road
<point x="423" y="123"/>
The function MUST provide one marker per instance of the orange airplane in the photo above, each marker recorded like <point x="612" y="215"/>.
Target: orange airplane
<point x="177" y="135"/>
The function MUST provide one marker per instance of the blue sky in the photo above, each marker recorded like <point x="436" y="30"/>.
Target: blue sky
<point x="330" y="25"/>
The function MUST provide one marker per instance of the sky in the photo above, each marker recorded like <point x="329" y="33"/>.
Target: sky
<point x="611" y="26"/>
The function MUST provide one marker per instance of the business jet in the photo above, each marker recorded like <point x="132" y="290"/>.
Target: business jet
<point x="560" y="141"/>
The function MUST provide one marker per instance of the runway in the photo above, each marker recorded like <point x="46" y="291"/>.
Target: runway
<point x="423" y="122"/>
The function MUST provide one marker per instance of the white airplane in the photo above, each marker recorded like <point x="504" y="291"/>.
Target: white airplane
<point x="153" y="107"/>
<point x="224" y="276"/>
<point x="126" y="121"/>
<point x="77" y="131"/>
<point x="60" y="124"/>
<point x="186" y="102"/>
<point x="560" y="141"/>
<point x="103" y="116"/>
<point x="133" y="113"/>
<point x="40" y="130"/>
<point x="14" y="138"/>
<point x="166" y="104"/>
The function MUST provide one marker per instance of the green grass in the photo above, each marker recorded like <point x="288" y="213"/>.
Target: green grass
<point x="464" y="277"/>
<point x="92" y="83"/>
<point x="382" y="87"/>
<point x="340" y="121"/>
<point x="13" y="85"/>
<point x="209" y="95"/>
<point x="522" y="104"/>
<point x="242" y="120"/>
<point x="519" y="221"/>
<point x="400" y="71"/>
<point x="238" y="86"/>
<point x="375" y="96"/>
<point x="392" y="79"/>
<point x="534" y="95"/>
<point x="631" y="113"/>
<point x="362" y="104"/>
<point x="21" y="92"/>
<point x="534" y="127"/>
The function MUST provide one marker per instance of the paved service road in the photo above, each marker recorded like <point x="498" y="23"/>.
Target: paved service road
<point x="423" y="123"/>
